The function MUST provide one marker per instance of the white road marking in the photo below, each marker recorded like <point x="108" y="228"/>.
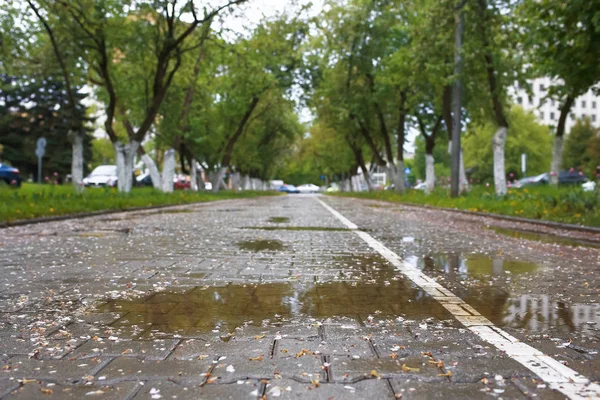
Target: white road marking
<point x="558" y="376"/>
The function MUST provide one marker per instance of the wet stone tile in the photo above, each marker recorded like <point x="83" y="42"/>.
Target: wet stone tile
<point x="51" y="391"/>
<point x="130" y="369"/>
<point x="149" y="350"/>
<point x="61" y="371"/>
<point x="289" y="389"/>
<point x="243" y="389"/>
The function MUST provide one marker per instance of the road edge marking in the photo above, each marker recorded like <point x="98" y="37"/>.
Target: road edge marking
<point x="555" y="374"/>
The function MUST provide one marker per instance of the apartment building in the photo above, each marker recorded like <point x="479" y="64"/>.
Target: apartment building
<point x="548" y="111"/>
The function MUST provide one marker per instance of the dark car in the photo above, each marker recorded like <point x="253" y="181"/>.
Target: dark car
<point x="287" y="188"/>
<point x="10" y="175"/>
<point x="571" y="178"/>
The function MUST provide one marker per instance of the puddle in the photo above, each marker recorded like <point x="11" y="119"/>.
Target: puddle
<point x="537" y="313"/>
<point x="297" y="228"/>
<point x="544" y="238"/>
<point x="203" y="309"/>
<point x="279" y="220"/>
<point x="261" y="245"/>
<point x="470" y="266"/>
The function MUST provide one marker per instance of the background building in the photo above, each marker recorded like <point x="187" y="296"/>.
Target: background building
<point x="548" y="111"/>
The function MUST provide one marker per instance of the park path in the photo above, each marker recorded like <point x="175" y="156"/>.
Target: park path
<point x="296" y="296"/>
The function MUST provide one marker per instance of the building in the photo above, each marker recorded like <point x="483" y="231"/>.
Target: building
<point x="548" y="111"/>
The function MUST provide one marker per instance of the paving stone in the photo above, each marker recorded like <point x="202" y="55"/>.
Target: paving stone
<point x="246" y="389"/>
<point x="290" y="389"/>
<point x="344" y="348"/>
<point x="231" y="368"/>
<point x="192" y="349"/>
<point x="130" y="369"/>
<point x="60" y="371"/>
<point x="48" y="390"/>
<point x="157" y="349"/>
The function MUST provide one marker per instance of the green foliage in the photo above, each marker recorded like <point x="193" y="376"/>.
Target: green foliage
<point x="440" y="156"/>
<point x="580" y="151"/>
<point x="103" y="153"/>
<point x="570" y="205"/>
<point x="525" y="136"/>
<point x="32" y="107"/>
<point x="34" y="201"/>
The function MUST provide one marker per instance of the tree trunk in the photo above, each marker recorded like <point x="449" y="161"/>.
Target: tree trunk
<point x="247" y="183"/>
<point x="125" y="155"/>
<point x="193" y="175"/>
<point x="559" y="140"/>
<point x="168" y="171"/>
<point x="429" y="173"/>
<point x="463" y="182"/>
<point x="154" y="172"/>
<point x="218" y="177"/>
<point x="399" y="186"/>
<point x="498" y="143"/>
<point x="365" y="170"/>
<point x="77" y="163"/>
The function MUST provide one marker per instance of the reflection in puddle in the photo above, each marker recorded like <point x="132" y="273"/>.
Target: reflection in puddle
<point x="544" y="238"/>
<point x="203" y="309"/>
<point x="279" y="220"/>
<point x="297" y="228"/>
<point x="473" y="266"/>
<point x="537" y="313"/>
<point x="261" y="245"/>
<point x="534" y="313"/>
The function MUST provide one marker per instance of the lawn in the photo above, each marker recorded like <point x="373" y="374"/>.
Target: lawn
<point x="33" y="201"/>
<point x="565" y="204"/>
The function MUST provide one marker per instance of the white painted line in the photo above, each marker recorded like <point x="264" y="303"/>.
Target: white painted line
<point x="558" y="376"/>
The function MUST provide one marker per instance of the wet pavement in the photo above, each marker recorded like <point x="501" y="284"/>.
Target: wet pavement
<point x="276" y="298"/>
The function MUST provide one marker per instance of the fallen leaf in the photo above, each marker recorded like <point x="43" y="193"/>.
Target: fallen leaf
<point x="257" y="337"/>
<point x="447" y="374"/>
<point x="259" y="358"/>
<point x="409" y="369"/>
<point x="47" y="391"/>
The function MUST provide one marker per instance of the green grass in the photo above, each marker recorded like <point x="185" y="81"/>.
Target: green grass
<point x="565" y="204"/>
<point x="33" y="201"/>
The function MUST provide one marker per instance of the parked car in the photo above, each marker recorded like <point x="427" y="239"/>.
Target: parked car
<point x="308" y="188"/>
<point x="10" y="175"/>
<point x="420" y="186"/>
<point x="104" y="175"/>
<point x="143" y="180"/>
<point x="288" y="188"/>
<point x="564" y="178"/>
<point x="182" y="182"/>
<point x="333" y="188"/>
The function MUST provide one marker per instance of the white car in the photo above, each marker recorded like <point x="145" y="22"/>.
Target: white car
<point x="104" y="175"/>
<point x="589" y="186"/>
<point x="308" y="188"/>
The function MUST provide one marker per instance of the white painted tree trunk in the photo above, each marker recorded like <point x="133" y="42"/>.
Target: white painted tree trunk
<point x="557" y="153"/>
<point x="125" y="155"/>
<point x="498" y="143"/>
<point x="77" y="163"/>
<point x="218" y="181"/>
<point x="168" y="171"/>
<point x="194" y="175"/>
<point x="463" y="183"/>
<point x="399" y="178"/>
<point x="246" y="184"/>
<point x="154" y="172"/>
<point x="429" y="173"/>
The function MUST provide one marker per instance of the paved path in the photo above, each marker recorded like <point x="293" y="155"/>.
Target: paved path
<point x="282" y="297"/>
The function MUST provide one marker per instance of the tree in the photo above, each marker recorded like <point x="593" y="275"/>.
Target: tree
<point x="32" y="107"/>
<point x="526" y="136"/>
<point x="563" y="43"/>
<point x="133" y="54"/>
<point x="579" y="149"/>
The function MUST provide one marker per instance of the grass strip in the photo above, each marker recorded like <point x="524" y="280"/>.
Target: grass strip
<point x="35" y="201"/>
<point x="564" y="204"/>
